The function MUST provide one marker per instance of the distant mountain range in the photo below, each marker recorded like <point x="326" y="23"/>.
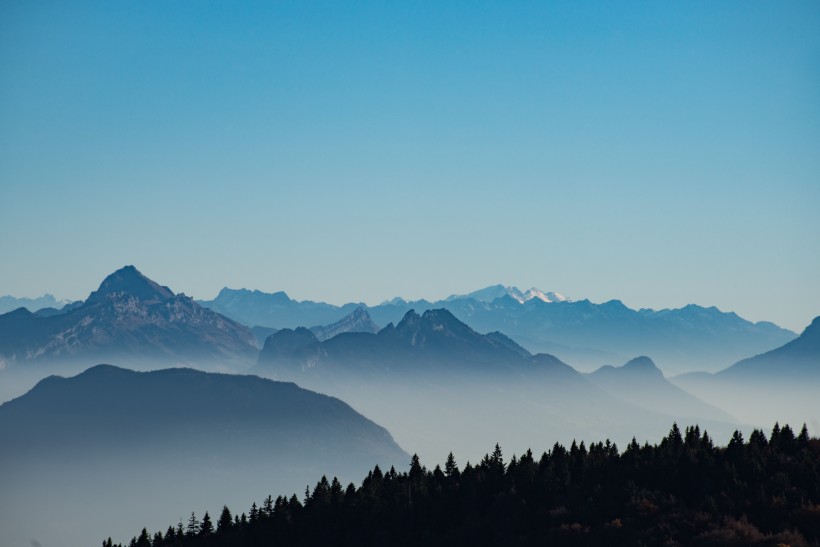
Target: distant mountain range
<point x="585" y="334"/>
<point x="47" y="301"/>
<point x="432" y="366"/>
<point x="92" y="447"/>
<point x="435" y="343"/>
<point x="130" y="319"/>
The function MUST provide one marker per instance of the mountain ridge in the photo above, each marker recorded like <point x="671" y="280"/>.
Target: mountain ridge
<point x="128" y="318"/>
<point x="578" y="331"/>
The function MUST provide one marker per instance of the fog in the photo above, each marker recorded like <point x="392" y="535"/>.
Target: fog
<point x="80" y="496"/>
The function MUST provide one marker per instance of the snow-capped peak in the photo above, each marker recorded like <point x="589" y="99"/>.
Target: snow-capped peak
<point x="489" y="294"/>
<point x="541" y="295"/>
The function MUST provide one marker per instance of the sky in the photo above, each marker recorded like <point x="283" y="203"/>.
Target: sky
<point x="658" y="153"/>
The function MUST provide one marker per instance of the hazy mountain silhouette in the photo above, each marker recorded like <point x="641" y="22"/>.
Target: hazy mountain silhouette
<point x="435" y="382"/>
<point x="274" y="309"/>
<point x="10" y="303"/>
<point x="585" y="334"/>
<point x="642" y="383"/>
<point x="113" y="444"/>
<point x="798" y="360"/>
<point x="435" y="341"/>
<point x="779" y="385"/>
<point x="121" y="409"/>
<point x="128" y="319"/>
<point x="358" y="321"/>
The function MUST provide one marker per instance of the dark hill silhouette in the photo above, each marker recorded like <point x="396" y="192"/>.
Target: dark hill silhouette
<point x="112" y="406"/>
<point x="129" y="319"/>
<point x="128" y="446"/>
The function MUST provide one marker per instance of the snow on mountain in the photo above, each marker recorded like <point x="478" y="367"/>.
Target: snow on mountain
<point x="488" y="294"/>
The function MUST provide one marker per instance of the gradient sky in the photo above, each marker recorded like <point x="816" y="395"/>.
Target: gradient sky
<point x="661" y="153"/>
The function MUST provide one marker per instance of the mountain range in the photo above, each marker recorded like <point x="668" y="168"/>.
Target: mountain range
<point x="47" y="301"/>
<point x="88" y="447"/>
<point x="130" y="320"/>
<point x="432" y="368"/>
<point x="586" y="334"/>
<point x="432" y="354"/>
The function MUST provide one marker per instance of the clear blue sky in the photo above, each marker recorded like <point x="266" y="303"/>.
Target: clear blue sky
<point x="662" y="153"/>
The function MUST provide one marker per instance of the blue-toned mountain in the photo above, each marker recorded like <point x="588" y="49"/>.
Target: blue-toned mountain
<point x="90" y="448"/>
<point x="583" y="333"/>
<point x="131" y="320"/>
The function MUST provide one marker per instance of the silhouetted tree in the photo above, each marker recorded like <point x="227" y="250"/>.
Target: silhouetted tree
<point x="225" y="520"/>
<point x="193" y="526"/>
<point x="450" y="466"/>
<point x="683" y="491"/>
<point x="207" y="527"/>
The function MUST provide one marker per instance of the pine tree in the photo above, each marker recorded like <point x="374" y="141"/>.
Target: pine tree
<point x="336" y="492"/>
<point x="495" y="463"/>
<point x="225" y="520"/>
<point x="803" y="438"/>
<point x="450" y="467"/>
<point x="144" y="540"/>
<point x="267" y="507"/>
<point x="207" y="527"/>
<point x="254" y="514"/>
<point x="415" y="467"/>
<point x="193" y="526"/>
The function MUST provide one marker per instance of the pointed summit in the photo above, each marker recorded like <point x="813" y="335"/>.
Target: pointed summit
<point x="130" y="281"/>
<point x="357" y="321"/>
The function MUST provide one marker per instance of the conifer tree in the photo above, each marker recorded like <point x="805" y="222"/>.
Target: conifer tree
<point x="267" y="507"/>
<point x="207" y="527"/>
<point x="225" y="520"/>
<point x="193" y="526"/>
<point x="450" y="467"/>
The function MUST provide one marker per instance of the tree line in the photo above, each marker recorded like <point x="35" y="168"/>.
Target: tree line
<point x="684" y="490"/>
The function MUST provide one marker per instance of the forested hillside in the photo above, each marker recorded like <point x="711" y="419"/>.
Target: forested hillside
<point x="683" y="491"/>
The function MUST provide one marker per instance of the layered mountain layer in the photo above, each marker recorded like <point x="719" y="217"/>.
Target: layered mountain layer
<point x="585" y="334"/>
<point x="130" y="319"/>
<point x="91" y="448"/>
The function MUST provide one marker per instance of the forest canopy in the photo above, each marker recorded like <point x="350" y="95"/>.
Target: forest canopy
<point x="685" y="490"/>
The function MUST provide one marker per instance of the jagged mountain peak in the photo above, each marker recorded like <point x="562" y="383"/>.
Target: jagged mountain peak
<point x="356" y="321"/>
<point x="130" y="281"/>
<point x="494" y="292"/>
<point x="437" y="320"/>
